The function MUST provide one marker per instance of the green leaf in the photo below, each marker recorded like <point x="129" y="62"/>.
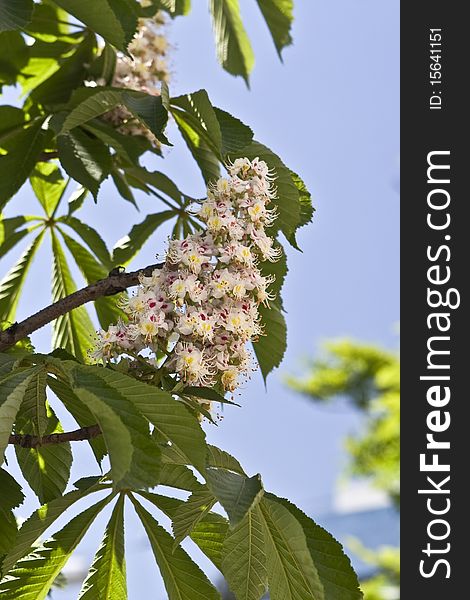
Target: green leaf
<point x="134" y="456"/>
<point x="205" y="393"/>
<point x="11" y="497"/>
<point x="34" y="575"/>
<point x="55" y="77"/>
<point x="287" y="201"/>
<point x="79" y="411"/>
<point x="182" y="577"/>
<point x="158" y="181"/>
<point x="12" y="119"/>
<point x="14" y="54"/>
<point x="291" y="572"/>
<point x="39" y="521"/>
<point x="85" y="159"/>
<point x="208" y="534"/>
<point x="15" y="14"/>
<point x="277" y="269"/>
<point x="107" y="307"/>
<point x="107" y="577"/>
<point x="199" y="126"/>
<point x="178" y="476"/>
<point x="334" y="567"/>
<point x="127" y="247"/>
<point x="196" y="109"/>
<point x="306" y="207"/>
<point x="46" y="468"/>
<point x="48" y="185"/>
<point x="105" y="65"/>
<point x="278" y="15"/>
<point x="147" y="108"/>
<point x="235" y="134"/>
<point x="271" y="346"/>
<point x="188" y="514"/>
<point x="12" y="284"/>
<point x="22" y="152"/>
<point x="114" y="20"/>
<point x="49" y="24"/>
<point x="233" y="47"/>
<point x="91" y="237"/>
<point x="12" y="234"/>
<point x="170" y="418"/>
<point x="12" y="390"/>
<point x="244" y="558"/>
<point x="223" y="460"/>
<point x="150" y="111"/>
<point x="76" y="199"/>
<point x="74" y="330"/>
<point x="32" y="417"/>
<point x="122" y="186"/>
<point x="129" y="147"/>
<point x="236" y="493"/>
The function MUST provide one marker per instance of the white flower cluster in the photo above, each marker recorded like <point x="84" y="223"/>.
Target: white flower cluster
<point x="201" y="308"/>
<point x="143" y="72"/>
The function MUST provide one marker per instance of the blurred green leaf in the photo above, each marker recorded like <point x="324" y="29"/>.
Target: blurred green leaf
<point x="278" y="15"/>
<point x="114" y="20"/>
<point x="15" y="14"/>
<point x="21" y="153"/>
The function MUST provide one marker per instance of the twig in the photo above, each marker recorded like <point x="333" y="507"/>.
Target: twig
<point x="33" y="441"/>
<point x="115" y="283"/>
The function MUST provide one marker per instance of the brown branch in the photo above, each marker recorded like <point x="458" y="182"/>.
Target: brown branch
<point x="115" y="283"/>
<point x="33" y="441"/>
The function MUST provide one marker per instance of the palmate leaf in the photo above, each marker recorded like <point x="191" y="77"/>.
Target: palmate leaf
<point x="107" y="577"/>
<point x="74" y="330"/>
<point x="48" y="185"/>
<point x="223" y="460"/>
<point x="12" y="284"/>
<point x="114" y="20"/>
<point x="235" y="134"/>
<point x="15" y="14"/>
<point x="46" y="468"/>
<point x="233" y="47"/>
<point x="134" y="456"/>
<point x="34" y="575"/>
<point x="12" y="390"/>
<point x="40" y="520"/>
<point x="291" y="572"/>
<point x="244" y="558"/>
<point x="278" y="15"/>
<point x="182" y="577"/>
<point x="236" y="493"/>
<point x="14" y="53"/>
<point x="334" y="567"/>
<point x="22" y="151"/>
<point x="107" y="308"/>
<point x="127" y="247"/>
<point x="169" y="417"/>
<point x="79" y="411"/>
<point x="306" y="206"/>
<point x="12" y="234"/>
<point x="188" y="515"/>
<point x="270" y="347"/>
<point x="178" y="476"/>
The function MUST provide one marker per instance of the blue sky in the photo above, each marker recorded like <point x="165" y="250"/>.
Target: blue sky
<point x="331" y="112"/>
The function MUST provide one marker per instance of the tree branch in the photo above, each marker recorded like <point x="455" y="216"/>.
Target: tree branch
<point x="33" y="441"/>
<point x="115" y="283"/>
